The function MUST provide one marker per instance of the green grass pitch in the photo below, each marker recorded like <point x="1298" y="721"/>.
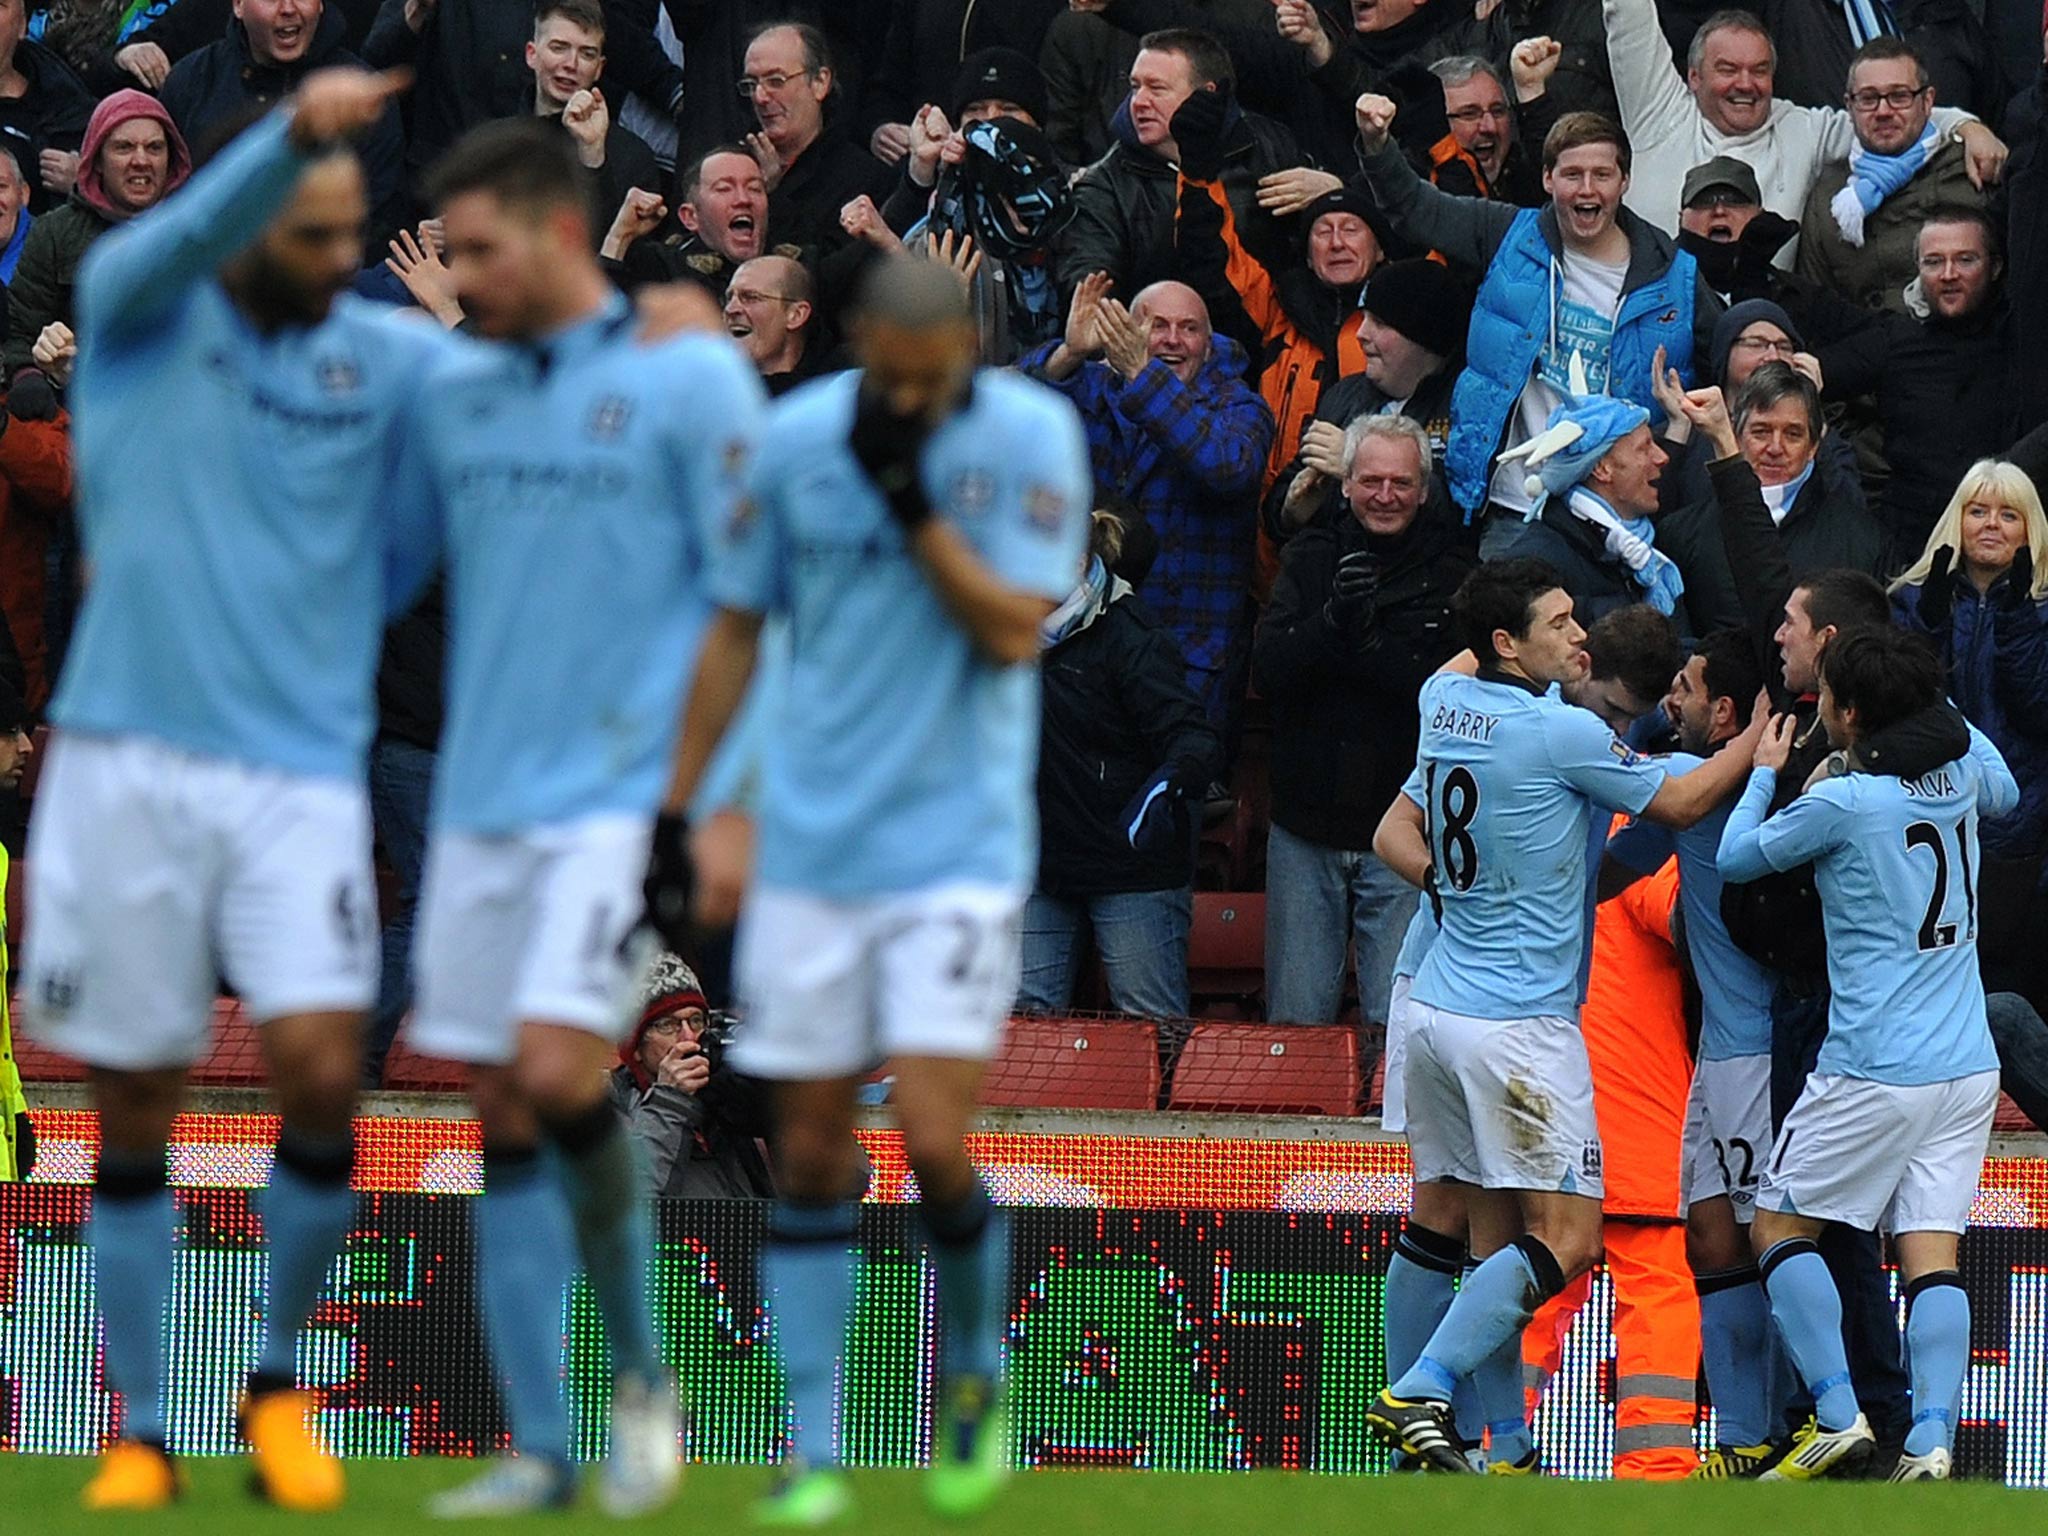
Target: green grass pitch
<point x="38" y="1498"/>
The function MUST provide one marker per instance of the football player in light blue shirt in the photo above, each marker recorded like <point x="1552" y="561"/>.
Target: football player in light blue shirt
<point x="581" y="474"/>
<point x="1893" y="1123"/>
<point x="1496" y="821"/>
<point x="915" y="521"/>
<point x="204" y="811"/>
<point x="1728" y="1121"/>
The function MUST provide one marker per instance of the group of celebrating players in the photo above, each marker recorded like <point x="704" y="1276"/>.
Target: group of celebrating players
<point x="269" y="471"/>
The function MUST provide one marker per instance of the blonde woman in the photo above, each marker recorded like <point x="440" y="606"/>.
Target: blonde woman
<point x="1980" y="591"/>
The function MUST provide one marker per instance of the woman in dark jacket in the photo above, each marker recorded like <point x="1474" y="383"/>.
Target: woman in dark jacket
<point x="1124" y="745"/>
<point x="1980" y="591"/>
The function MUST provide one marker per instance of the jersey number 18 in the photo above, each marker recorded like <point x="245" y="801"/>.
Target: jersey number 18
<point x="1451" y="845"/>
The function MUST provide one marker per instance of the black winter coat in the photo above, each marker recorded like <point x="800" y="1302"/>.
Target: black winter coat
<point x="804" y="208"/>
<point x="1942" y="399"/>
<point x="1353" y="396"/>
<point x="1814" y="48"/>
<point x="1597" y="581"/>
<point x="1829" y="526"/>
<point x="52" y="115"/>
<point x="1345" y="721"/>
<point x="223" y="82"/>
<point x="1126" y="202"/>
<point x="1117" y="709"/>
<point x="409" y="698"/>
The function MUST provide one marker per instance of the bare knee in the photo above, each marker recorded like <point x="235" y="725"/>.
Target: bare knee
<point x="315" y="1066"/>
<point x="560" y="1072"/>
<point x="1572" y="1235"/>
<point x="814" y="1163"/>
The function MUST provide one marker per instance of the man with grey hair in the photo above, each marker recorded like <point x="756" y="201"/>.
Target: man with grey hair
<point x="1724" y="105"/>
<point x="1360" y="616"/>
<point x="1481" y="152"/>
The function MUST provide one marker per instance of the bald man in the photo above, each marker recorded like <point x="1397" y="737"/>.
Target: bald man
<point x="940" y="512"/>
<point x="1173" y="428"/>
<point x="768" y="309"/>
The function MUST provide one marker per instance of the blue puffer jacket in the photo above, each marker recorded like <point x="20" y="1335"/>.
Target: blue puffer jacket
<point x="1998" y="676"/>
<point x="1513" y="318"/>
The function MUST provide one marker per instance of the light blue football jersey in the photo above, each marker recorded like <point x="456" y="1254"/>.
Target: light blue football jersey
<point x="1508" y="776"/>
<point x="583" y="483"/>
<point x="233" y="489"/>
<point x="1735" y="992"/>
<point x="900" y="756"/>
<point x="1415" y="943"/>
<point x="1895" y="862"/>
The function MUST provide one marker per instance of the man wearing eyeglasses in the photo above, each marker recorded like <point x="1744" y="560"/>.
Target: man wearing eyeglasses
<point x="1861" y="218"/>
<point x="770" y="312"/>
<point x="812" y="168"/>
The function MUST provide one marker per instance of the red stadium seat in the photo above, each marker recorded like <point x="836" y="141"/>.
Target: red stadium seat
<point x="37" y="1062"/>
<point x="1076" y="1064"/>
<point x="407" y="1071"/>
<point x="1294" y="1069"/>
<point x="235" y="1057"/>
<point x="2010" y="1117"/>
<point x="1376" y="1095"/>
<point x="1227" y="954"/>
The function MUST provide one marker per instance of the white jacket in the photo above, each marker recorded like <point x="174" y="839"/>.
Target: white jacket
<point x="1670" y="136"/>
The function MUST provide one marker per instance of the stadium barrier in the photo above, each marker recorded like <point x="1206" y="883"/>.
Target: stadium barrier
<point x="1178" y="1301"/>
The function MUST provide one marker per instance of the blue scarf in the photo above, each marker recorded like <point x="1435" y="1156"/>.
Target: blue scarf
<point x="1083" y="606"/>
<point x="1873" y="178"/>
<point x="1632" y="541"/>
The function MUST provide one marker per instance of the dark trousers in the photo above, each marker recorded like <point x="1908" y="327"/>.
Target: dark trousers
<point x="1870" y="1321"/>
<point x="401" y="777"/>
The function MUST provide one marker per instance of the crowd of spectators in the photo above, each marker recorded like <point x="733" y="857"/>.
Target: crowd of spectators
<point x="1321" y="278"/>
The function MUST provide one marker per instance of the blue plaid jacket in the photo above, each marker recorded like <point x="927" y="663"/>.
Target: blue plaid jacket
<point x="1188" y="457"/>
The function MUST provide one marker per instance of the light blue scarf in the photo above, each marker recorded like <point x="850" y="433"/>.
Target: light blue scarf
<point x="1083" y="606"/>
<point x="1873" y="178"/>
<point x="1632" y="541"/>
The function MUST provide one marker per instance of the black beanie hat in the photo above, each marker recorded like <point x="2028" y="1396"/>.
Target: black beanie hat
<point x="1424" y="301"/>
<point x="997" y="74"/>
<point x="1349" y="199"/>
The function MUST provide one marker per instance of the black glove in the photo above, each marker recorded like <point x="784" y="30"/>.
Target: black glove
<point x="1197" y="128"/>
<point x="32" y="397"/>
<point x="671" y="880"/>
<point x="24" y="1146"/>
<point x="1354" y="592"/>
<point x="1938" y="595"/>
<point x="887" y="447"/>
<point x="2016" y="598"/>
<point x="1152" y="821"/>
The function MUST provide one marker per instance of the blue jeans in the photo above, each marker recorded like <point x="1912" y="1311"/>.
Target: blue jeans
<point x="401" y="777"/>
<point x="1319" y="901"/>
<point x="1142" y="937"/>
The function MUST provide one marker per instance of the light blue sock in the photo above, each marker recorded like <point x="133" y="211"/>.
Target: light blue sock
<point x="1498" y="1382"/>
<point x="970" y="1244"/>
<point x="306" y="1210"/>
<point x="807" y="1273"/>
<point x="1808" y="1311"/>
<point x="1938" y="1342"/>
<point x="132" y="1227"/>
<point x="1491" y="1308"/>
<point x="1422" y="1277"/>
<point x="607" y="1192"/>
<point x="1736" y="1344"/>
<point x="523" y="1266"/>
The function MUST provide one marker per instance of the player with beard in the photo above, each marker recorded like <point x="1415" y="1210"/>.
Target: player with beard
<point x="205" y="812"/>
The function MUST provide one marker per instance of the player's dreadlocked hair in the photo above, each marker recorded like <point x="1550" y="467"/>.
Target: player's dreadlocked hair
<point x="522" y="161"/>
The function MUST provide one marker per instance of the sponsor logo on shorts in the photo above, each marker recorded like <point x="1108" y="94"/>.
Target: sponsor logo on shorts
<point x="57" y="992"/>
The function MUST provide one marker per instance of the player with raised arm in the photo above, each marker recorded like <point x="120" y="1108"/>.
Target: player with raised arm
<point x="205" y="805"/>
<point x="1892" y="1126"/>
<point x="917" y="521"/>
<point x="583" y="477"/>
<point x="1496" y="819"/>
<point x="1728" y="1119"/>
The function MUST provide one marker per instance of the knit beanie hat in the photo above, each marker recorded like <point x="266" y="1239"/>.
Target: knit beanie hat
<point x="670" y="986"/>
<point x="1423" y="300"/>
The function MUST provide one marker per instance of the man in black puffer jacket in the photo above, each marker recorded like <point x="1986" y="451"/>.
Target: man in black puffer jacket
<point x="1360" y="617"/>
<point x="1124" y="747"/>
<point x="1182" y="112"/>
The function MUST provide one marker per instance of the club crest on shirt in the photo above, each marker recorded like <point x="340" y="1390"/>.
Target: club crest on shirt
<point x="338" y="376"/>
<point x="972" y="493"/>
<point x="1589" y="1159"/>
<point x="609" y="416"/>
<point x="1045" y="508"/>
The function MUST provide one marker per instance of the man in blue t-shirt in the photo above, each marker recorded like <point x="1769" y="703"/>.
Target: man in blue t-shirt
<point x="1892" y="1126"/>
<point x="581" y="476"/>
<point x="205" y="812"/>
<point x="915" y="521"/>
<point x="1496" y="820"/>
<point x="1728" y="1119"/>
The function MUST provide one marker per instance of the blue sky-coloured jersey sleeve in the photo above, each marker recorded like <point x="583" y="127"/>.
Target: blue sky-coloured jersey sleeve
<point x="1589" y="757"/>
<point x="1039" y="544"/>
